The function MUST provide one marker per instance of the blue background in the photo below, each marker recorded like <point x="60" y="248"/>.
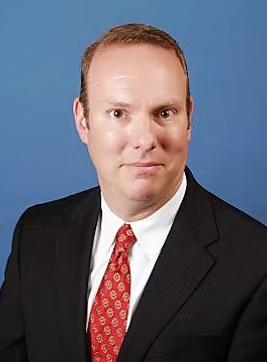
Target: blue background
<point x="41" y="42"/>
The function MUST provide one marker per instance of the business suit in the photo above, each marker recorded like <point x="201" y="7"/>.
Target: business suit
<point x="206" y="299"/>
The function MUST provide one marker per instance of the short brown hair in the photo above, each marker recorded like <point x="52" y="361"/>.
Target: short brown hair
<point x="130" y="34"/>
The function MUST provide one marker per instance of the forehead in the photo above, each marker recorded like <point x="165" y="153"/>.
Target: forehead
<point x="142" y="67"/>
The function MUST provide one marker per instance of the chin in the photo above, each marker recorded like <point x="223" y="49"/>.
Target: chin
<point x="144" y="194"/>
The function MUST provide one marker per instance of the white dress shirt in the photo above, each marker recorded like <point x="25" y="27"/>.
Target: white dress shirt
<point x="151" y="233"/>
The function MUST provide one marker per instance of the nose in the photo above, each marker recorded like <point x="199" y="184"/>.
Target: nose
<point x="143" y="133"/>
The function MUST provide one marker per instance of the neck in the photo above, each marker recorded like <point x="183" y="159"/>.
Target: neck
<point x="134" y="210"/>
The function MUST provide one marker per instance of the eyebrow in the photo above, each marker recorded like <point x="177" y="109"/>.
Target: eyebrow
<point x="172" y="102"/>
<point x="118" y="104"/>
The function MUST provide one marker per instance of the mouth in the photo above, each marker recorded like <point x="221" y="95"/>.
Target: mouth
<point x="143" y="167"/>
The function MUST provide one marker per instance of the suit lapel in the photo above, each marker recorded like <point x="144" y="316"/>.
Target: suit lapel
<point x="74" y="245"/>
<point x="181" y="267"/>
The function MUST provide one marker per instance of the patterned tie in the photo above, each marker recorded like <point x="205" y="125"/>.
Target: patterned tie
<point x="108" y="318"/>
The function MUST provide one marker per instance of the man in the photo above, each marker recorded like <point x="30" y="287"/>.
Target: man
<point x="184" y="278"/>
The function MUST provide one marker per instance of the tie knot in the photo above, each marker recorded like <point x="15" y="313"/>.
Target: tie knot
<point x="124" y="239"/>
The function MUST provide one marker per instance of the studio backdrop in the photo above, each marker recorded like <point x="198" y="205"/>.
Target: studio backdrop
<point x="41" y="42"/>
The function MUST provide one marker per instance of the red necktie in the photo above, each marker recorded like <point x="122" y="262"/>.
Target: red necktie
<point x="108" y="318"/>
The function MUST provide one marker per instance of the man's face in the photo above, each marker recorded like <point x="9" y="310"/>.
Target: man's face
<point x="138" y="132"/>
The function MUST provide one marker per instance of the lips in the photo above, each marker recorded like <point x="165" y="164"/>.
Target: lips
<point x="143" y="167"/>
<point x="143" y="164"/>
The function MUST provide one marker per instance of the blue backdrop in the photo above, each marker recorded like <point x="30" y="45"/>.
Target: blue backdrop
<point x="41" y="157"/>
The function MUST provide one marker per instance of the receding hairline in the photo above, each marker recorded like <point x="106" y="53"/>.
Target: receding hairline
<point x="106" y="42"/>
<point x="102" y="48"/>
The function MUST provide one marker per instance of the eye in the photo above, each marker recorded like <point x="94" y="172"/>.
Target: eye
<point x="166" y="113"/>
<point x="117" y="113"/>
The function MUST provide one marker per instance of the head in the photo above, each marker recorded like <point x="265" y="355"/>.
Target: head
<point x="134" y="113"/>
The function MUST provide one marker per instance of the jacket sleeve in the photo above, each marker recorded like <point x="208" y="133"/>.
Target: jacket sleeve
<point x="249" y="343"/>
<point x="12" y="337"/>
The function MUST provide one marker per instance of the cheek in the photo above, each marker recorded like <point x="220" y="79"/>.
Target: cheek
<point x="105" y="142"/>
<point x="175" y="142"/>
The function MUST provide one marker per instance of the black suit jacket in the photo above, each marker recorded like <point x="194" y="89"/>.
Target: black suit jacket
<point x="206" y="299"/>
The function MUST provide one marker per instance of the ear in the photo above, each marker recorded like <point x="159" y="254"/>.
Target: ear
<point x="80" y="120"/>
<point x="190" y="114"/>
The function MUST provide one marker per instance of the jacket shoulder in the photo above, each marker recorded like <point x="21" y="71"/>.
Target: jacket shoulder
<point x="62" y="209"/>
<point x="228" y="214"/>
<point x="229" y="219"/>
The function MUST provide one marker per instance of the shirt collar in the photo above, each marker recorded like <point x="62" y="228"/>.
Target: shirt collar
<point x="146" y="230"/>
<point x="160" y="219"/>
